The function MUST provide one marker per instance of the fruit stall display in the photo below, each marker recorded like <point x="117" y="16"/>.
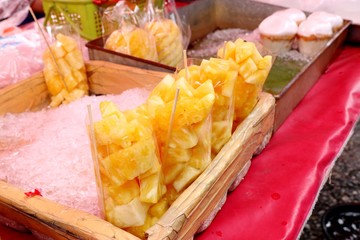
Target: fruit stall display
<point x="213" y="178"/>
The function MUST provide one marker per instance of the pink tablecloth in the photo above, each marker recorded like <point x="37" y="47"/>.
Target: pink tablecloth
<point x="282" y="185"/>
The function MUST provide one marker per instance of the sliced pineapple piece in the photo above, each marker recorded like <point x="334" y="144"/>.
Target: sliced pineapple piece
<point x="132" y="214"/>
<point x="187" y="176"/>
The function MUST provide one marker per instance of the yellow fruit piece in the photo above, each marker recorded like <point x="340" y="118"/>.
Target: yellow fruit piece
<point x="192" y="76"/>
<point x="112" y="130"/>
<point x="247" y="68"/>
<point x="75" y="59"/>
<point x="186" y="90"/>
<point x="199" y="159"/>
<point x="54" y="81"/>
<point x="228" y="51"/>
<point x="172" y="171"/>
<point x="186" y="177"/>
<point x="68" y="43"/>
<point x="244" y="51"/>
<point x="133" y="41"/>
<point x="123" y="194"/>
<point x="158" y="209"/>
<point x="135" y="160"/>
<point x="140" y="230"/>
<point x="132" y="214"/>
<point x="115" y="40"/>
<point x="220" y="135"/>
<point x="108" y="108"/>
<point x="165" y="89"/>
<point x="183" y="137"/>
<point x="171" y="194"/>
<point x="168" y="40"/>
<point x="70" y="82"/>
<point x="265" y="63"/>
<point x="178" y="155"/>
<point x="151" y="188"/>
<point x="156" y="168"/>
<point x="57" y="50"/>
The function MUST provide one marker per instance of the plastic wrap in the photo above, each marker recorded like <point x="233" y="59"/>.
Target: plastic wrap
<point x="253" y="70"/>
<point x="127" y="166"/>
<point x="64" y="66"/>
<point x="20" y="56"/>
<point x="129" y="23"/>
<point x="126" y="34"/>
<point x="12" y="13"/>
<point x="171" y="34"/>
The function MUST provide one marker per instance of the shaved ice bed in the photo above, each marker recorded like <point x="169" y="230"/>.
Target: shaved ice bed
<point x="49" y="150"/>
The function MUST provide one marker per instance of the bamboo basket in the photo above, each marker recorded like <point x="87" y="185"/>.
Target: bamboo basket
<point x="187" y="213"/>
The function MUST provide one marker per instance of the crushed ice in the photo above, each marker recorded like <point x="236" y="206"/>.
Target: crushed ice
<point x="49" y="150"/>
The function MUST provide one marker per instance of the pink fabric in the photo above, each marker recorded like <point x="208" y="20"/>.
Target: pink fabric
<point x="281" y="187"/>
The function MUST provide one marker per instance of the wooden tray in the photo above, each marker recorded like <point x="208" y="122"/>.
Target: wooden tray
<point x="186" y="214"/>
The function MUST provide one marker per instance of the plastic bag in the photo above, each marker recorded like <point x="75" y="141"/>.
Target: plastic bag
<point x="12" y="13"/>
<point x="127" y="167"/>
<point x="20" y="56"/>
<point x="128" y="37"/>
<point x="64" y="66"/>
<point x="171" y="36"/>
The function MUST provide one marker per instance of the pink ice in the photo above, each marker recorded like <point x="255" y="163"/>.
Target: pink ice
<point x="49" y="150"/>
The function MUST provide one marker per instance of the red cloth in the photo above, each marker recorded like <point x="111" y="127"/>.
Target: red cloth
<point x="282" y="185"/>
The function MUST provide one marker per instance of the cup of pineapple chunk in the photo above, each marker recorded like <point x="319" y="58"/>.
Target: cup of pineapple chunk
<point x="252" y="72"/>
<point x="185" y="150"/>
<point x="64" y="70"/>
<point x="128" y="166"/>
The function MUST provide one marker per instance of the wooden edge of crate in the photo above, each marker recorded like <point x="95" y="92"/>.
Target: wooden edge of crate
<point x="53" y="219"/>
<point x="28" y="94"/>
<point x="31" y="94"/>
<point x="196" y="203"/>
<point x="129" y="77"/>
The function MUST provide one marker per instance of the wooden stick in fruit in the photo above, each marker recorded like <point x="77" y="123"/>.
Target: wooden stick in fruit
<point x="171" y="123"/>
<point x="224" y="49"/>
<point x="185" y="65"/>
<point x="48" y="46"/>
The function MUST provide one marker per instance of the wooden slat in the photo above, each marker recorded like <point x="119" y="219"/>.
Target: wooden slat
<point x="53" y="219"/>
<point x="195" y="204"/>
<point x="28" y="95"/>
<point x="104" y="78"/>
<point x="110" y="78"/>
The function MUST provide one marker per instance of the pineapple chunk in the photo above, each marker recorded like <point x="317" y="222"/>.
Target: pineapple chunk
<point x="68" y="43"/>
<point x="75" y="59"/>
<point x="158" y="209"/>
<point x="151" y="188"/>
<point x="135" y="160"/>
<point x="132" y="214"/>
<point x="172" y="171"/>
<point x="178" y="155"/>
<point x="168" y="40"/>
<point x="187" y="176"/>
<point x="123" y="194"/>
<point x="183" y="137"/>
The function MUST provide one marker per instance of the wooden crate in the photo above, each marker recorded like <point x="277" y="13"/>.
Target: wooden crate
<point x="186" y="214"/>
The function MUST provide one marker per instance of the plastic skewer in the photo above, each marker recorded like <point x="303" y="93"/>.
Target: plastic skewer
<point x="224" y="50"/>
<point x="171" y="124"/>
<point x="48" y="46"/>
<point x="96" y="161"/>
